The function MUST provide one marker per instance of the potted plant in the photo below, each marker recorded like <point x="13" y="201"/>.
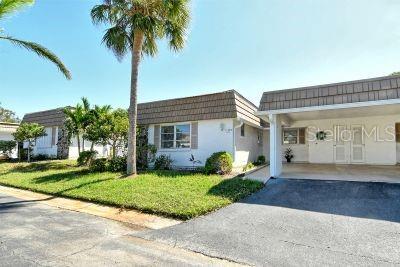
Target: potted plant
<point x="289" y="155"/>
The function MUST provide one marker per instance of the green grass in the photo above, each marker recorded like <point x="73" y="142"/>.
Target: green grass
<point x="173" y="194"/>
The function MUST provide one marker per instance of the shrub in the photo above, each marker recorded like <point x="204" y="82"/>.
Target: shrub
<point x="163" y="162"/>
<point x="6" y="147"/>
<point x="260" y="160"/>
<point x="86" y="157"/>
<point x="248" y="166"/>
<point x="40" y="157"/>
<point x="117" y="164"/>
<point x="98" y="165"/>
<point x="219" y="162"/>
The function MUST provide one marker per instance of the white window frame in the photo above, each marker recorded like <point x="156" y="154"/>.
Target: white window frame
<point x="297" y="136"/>
<point x="174" y="140"/>
<point x="243" y="126"/>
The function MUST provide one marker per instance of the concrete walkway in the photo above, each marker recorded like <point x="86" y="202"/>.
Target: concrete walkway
<point x="34" y="234"/>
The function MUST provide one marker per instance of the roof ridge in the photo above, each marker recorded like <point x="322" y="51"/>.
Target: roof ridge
<point x="29" y="113"/>
<point x="187" y="97"/>
<point x="333" y="84"/>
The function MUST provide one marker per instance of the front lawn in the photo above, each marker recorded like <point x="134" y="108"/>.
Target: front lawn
<point x="173" y="194"/>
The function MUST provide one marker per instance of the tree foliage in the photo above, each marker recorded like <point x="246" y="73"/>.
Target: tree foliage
<point x="29" y="132"/>
<point x="7" y="115"/>
<point x="8" y="7"/>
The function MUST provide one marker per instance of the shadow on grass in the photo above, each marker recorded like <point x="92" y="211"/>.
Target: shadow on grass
<point x="235" y="189"/>
<point x="57" y="177"/>
<point x="41" y="166"/>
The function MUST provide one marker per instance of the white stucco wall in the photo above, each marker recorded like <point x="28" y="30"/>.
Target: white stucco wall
<point x="379" y="150"/>
<point x="211" y="138"/>
<point x="103" y="151"/>
<point x="247" y="147"/>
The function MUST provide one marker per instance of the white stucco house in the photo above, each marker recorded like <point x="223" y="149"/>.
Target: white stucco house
<point x="55" y="143"/>
<point x="6" y="131"/>
<point x="355" y="122"/>
<point x="204" y="124"/>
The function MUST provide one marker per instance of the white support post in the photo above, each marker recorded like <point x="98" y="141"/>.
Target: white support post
<point x="275" y="139"/>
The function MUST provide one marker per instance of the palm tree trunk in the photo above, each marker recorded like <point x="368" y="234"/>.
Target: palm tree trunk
<point x="83" y="144"/>
<point x="79" y="143"/>
<point x="136" y="55"/>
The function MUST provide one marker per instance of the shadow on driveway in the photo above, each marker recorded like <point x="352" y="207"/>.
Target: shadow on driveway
<point x="379" y="201"/>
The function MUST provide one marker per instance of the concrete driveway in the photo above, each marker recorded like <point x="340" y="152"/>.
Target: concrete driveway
<point x="34" y="234"/>
<point x="300" y="222"/>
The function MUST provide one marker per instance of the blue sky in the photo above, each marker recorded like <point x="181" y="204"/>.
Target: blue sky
<point x="248" y="45"/>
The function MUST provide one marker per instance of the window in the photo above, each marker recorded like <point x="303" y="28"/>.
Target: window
<point x="175" y="136"/>
<point x="398" y="132"/>
<point x="242" y="130"/>
<point x="294" y="136"/>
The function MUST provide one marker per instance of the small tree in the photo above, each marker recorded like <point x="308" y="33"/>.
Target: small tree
<point x="119" y="127"/>
<point x="6" y="147"/>
<point x="29" y="132"/>
<point x="77" y="120"/>
<point x="98" y="130"/>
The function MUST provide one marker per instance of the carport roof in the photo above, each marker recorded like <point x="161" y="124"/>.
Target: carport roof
<point x="381" y="88"/>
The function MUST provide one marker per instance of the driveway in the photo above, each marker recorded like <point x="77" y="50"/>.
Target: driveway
<point x="34" y="234"/>
<point x="300" y="222"/>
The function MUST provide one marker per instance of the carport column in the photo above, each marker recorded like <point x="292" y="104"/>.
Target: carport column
<point x="275" y="147"/>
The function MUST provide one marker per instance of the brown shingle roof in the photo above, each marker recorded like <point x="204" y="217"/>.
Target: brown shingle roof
<point x="47" y="118"/>
<point x="381" y="88"/>
<point x="228" y="104"/>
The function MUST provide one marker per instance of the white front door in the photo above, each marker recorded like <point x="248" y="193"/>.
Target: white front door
<point x="357" y="144"/>
<point x="339" y="146"/>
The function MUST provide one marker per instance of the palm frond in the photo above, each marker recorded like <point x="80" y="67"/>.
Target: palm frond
<point x="41" y="52"/>
<point x="10" y="6"/>
<point x="118" y="41"/>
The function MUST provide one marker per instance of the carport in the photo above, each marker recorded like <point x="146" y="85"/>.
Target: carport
<point x="341" y="131"/>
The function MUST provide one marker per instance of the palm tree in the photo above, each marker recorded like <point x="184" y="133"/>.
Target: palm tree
<point x="10" y="6"/>
<point x="136" y="25"/>
<point x="78" y="118"/>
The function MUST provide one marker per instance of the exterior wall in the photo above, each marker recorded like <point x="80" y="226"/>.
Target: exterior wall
<point x="44" y="144"/>
<point x="376" y="152"/>
<point x="103" y="151"/>
<point x="247" y="147"/>
<point x="265" y="145"/>
<point x="213" y="136"/>
<point x="300" y="151"/>
<point x="6" y="135"/>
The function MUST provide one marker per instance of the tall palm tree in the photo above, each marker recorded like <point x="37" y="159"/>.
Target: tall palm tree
<point x="7" y="7"/>
<point x="136" y="25"/>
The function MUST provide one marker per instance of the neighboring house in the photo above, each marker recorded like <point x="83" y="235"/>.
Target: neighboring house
<point x="355" y="122"/>
<point x="204" y="124"/>
<point x="55" y="143"/>
<point x="6" y="131"/>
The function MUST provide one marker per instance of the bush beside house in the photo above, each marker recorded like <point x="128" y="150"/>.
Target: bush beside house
<point x="219" y="163"/>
